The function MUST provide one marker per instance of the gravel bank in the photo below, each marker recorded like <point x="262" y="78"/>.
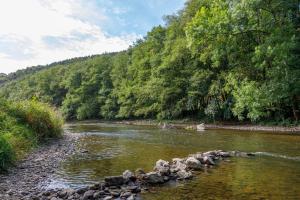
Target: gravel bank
<point x="26" y="178"/>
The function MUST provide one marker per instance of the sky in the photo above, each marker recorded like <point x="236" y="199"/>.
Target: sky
<point x="38" y="32"/>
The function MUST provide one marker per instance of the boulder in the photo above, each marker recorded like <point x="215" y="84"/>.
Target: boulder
<point x="140" y="173"/>
<point x="154" y="178"/>
<point x="200" y="127"/>
<point x="114" y="181"/>
<point x="177" y="165"/>
<point x="183" y="174"/>
<point x="128" y="176"/>
<point x="224" y="154"/>
<point x="163" y="167"/>
<point x="208" y="160"/>
<point x="193" y="163"/>
<point x="88" y="195"/>
<point x="81" y="190"/>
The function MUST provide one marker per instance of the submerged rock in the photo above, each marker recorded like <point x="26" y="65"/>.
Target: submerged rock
<point x="193" y="163"/>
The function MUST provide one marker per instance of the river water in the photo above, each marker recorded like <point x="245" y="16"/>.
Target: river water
<point x="274" y="173"/>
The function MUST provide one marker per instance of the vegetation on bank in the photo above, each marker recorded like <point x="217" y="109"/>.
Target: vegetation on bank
<point x="219" y="60"/>
<point x="23" y="125"/>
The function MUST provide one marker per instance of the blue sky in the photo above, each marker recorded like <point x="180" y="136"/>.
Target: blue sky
<point x="43" y="31"/>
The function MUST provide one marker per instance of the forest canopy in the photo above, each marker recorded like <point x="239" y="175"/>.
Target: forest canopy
<point x="218" y="60"/>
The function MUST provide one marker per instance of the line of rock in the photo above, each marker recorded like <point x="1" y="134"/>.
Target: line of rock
<point x="129" y="185"/>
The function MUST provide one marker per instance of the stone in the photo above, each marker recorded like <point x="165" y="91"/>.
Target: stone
<point x="154" y="178"/>
<point x="98" y="194"/>
<point x="163" y="167"/>
<point x="224" y="154"/>
<point x="62" y="194"/>
<point x="114" y="180"/>
<point x="183" y="174"/>
<point x="207" y="160"/>
<point x="125" y="195"/>
<point x="193" y="163"/>
<point x="128" y="176"/>
<point x="200" y="127"/>
<point x="88" y="195"/>
<point x="108" y="198"/>
<point x="134" y="189"/>
<point x="132" y="197"/>
<point x="177" y="165"/>
<point x="81" y="190"/>
<point x="115" y="193"/>
<point x="140" y="173"/>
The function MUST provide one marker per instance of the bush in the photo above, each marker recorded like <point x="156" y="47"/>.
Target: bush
<point x="22" y="126"/>
<point x="40" y="117"/>
<point x="6" y="154"/>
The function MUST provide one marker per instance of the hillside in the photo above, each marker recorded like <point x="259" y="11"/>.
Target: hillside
<point x="215" y="60"/>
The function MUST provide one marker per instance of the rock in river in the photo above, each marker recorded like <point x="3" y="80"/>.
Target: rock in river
<point x="114" y="180"/>
<point x="193" y="163"/>
<point x="154" y="178"/>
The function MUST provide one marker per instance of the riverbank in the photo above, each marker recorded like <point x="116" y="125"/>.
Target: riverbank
<point x="193" y="125"/>
<point x="26" y="179"/>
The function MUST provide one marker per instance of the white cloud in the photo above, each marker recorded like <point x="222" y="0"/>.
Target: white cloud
<point x="36" y="32"/>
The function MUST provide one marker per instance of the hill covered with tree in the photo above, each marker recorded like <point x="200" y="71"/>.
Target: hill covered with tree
<point x="220" y="60"/>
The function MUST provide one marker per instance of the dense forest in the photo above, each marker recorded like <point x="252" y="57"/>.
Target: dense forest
<point x="213" y="60"/>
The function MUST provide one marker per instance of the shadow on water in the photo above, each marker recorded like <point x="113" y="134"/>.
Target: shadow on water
<point x="112" y="148"/>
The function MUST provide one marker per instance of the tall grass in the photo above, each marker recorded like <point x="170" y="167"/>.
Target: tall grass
<point x="23" y="125"/>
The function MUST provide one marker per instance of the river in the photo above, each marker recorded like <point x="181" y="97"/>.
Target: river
<point x="110" y="149"/>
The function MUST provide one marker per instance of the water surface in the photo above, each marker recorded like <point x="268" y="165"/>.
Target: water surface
<point x="112" y="148"/>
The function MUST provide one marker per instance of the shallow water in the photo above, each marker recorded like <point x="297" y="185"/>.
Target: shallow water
<point x="112" y="148"/>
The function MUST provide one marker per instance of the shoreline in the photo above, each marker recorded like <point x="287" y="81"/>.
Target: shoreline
<point x="25" y="179"/>
<point x="192" y="126"/>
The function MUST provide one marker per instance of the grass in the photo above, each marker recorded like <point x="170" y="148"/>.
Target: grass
<point x="23" y="126"/>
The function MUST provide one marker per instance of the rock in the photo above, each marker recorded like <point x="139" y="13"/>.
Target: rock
<point x="98" y="186"/>
<point x="115" y="193"/>
<point x="177" y="165"/>
<point x="125" y="195"/>
<point x="62" y="194"/>
<point x="224" y="154"/>
<point x="53" y="198"/>
<point x="81" y="190"/>
<point x="139" y="173"/>
<point x="193" y="163"/>
<point x="88" y="195"/>
<point x="154" y="178"/>
<point x="183" y="174"/>
<point x="134" y="189"/>
<point x="108" y="198"/>
<point x="163" y="167"/>
<point x="97" y="195"/>
<point x="207" y="160"/>
<point x="114" y="180"/>
<point x="200" y="127"/>
<point x="132" y="197"/>
<point x="128" y="176"/>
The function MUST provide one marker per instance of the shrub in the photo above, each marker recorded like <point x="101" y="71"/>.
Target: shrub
<point x="22" y="126"/>
<point x="40" y="117"/>
<point x="6" y="154"/>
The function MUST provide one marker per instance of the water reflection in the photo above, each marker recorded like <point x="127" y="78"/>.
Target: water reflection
<point x="111" y="148"/>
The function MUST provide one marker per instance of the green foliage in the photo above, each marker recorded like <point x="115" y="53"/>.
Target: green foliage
<point x="6" y="154"/>
<point x="219" y="60"/>
<point x="24" y="125"/>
